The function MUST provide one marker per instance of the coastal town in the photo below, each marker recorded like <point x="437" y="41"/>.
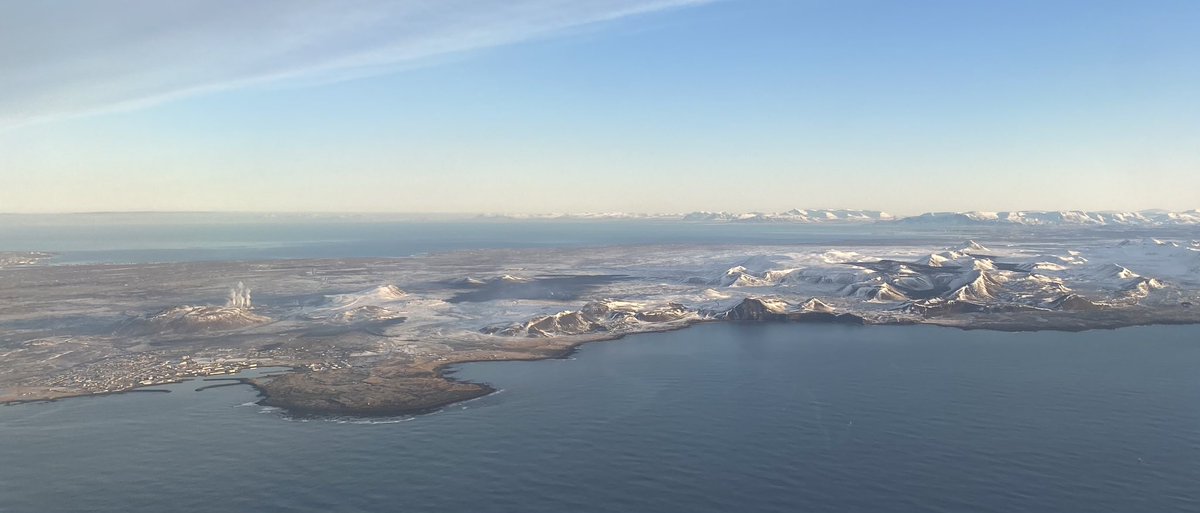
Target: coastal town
<point x="126" y="372"/>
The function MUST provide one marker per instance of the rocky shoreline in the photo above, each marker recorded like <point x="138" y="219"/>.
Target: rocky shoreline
<point x="391" y="389"/>
<point x="308" y="393"/>
<point x="410" y="392"/>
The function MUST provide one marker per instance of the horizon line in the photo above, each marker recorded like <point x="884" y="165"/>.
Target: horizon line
<point x="572" y="213"/>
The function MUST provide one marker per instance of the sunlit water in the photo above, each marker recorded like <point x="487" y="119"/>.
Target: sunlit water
<point x="174" y="242"/>
<point x="187" y="238"/>
<point x="721" y="417"/>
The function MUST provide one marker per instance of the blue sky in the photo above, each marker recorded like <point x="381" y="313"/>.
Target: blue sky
<point x="601" y="105"/>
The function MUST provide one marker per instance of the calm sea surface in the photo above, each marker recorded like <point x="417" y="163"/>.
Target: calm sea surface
<point x="139" y="238"/>
<point x="720" y="417"/>
<point x="150" y="238"/>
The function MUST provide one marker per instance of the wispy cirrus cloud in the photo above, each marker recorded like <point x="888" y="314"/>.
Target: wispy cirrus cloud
<point x="71" y="57"/>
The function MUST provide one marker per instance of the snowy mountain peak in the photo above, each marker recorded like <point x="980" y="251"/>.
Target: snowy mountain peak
<point x="816" y="305"/>
<point x="971" y="246"/>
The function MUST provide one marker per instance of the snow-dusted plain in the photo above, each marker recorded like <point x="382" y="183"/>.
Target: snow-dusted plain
<point x="80" y="329"/>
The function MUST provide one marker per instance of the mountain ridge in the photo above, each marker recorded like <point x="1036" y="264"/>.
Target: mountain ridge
<point x="1148" y="217"/>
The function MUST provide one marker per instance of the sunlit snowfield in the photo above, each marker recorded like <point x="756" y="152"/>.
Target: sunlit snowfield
<point x="130" y="300"/>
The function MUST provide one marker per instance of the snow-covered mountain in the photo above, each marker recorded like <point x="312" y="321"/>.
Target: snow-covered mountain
<point x="192" y="319"/>
<point x="794" y="215"/>
<point x="603" y="316"/>
<point x="928" y="219"/>
<point x="1057" y="218"/>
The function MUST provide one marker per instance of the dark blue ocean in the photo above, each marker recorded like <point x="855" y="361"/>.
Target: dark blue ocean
<point x="718" y="417"/>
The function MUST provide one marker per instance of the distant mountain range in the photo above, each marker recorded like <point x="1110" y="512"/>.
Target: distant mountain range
<point x="813" y="216"/>
<point x="794" y="215"/>
<point x="1061" y="217"/>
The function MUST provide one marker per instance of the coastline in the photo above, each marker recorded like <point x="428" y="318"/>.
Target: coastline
<point x="56" y="398"/>
<point x="418" y="391"/>
<point x="443" y="372"/>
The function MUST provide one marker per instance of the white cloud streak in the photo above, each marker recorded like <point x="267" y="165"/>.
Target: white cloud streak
<point x="72" y="57"/>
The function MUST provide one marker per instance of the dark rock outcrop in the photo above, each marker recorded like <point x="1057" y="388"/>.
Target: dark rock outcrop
<point x="756" y="309"/>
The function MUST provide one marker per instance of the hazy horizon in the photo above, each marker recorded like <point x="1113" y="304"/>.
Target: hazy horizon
<point x="540" y="214"/>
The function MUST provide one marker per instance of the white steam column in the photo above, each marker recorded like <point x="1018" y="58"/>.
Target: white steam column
<point x="239" y="297"/>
